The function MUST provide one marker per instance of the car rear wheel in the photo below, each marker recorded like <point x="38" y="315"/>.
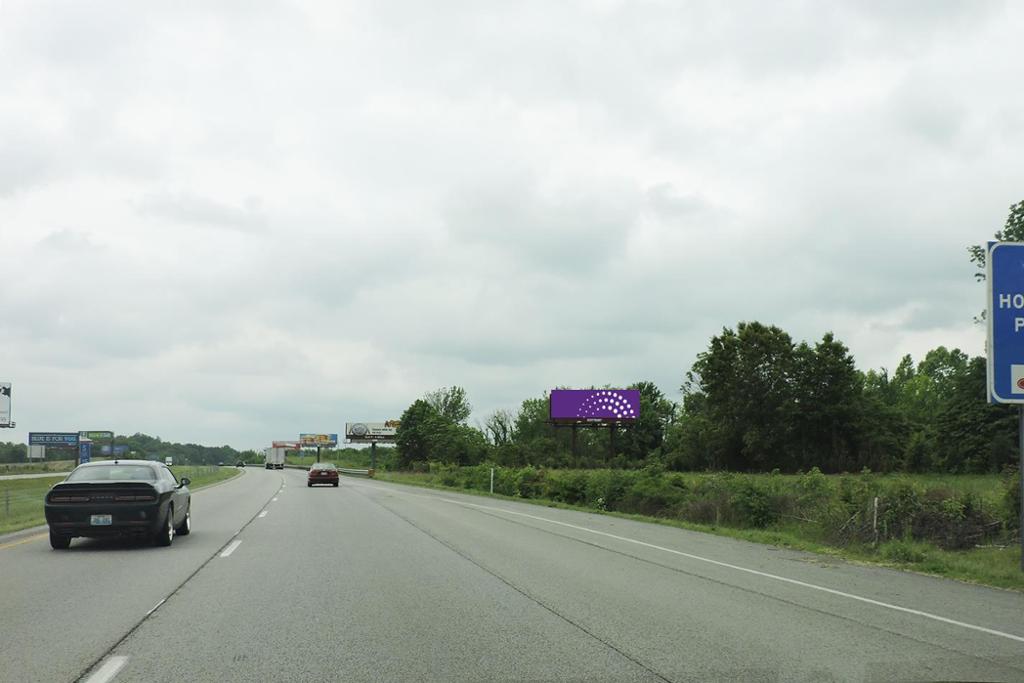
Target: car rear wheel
<point x="335" y="483"/>
<point x="309" y="484"/>
<point x="186" y="526"/>
<point x="59" y="541"/>
<point x="164" y="537"/>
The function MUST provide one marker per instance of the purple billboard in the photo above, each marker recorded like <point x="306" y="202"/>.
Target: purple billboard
<point x="571" y="405"/>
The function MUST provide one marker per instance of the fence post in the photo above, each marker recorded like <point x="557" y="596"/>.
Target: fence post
<point x="874" y="521"/>
<point x="7" y="502"/>
<point x="492" y="480"/>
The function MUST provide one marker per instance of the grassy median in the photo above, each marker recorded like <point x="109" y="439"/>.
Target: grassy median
<point x="813" y="512"/>
<point x="21" y="500"/>
<point x="36" y="467"/>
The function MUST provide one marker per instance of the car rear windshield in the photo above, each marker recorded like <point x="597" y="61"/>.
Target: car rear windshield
<point x="323" y="466"/>
<point x="113" y="473"/>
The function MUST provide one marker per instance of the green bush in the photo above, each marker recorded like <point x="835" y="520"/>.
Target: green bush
<point x="605" y="488"/>
<point x="835" y="510"/>
<point x="754" y="505"/>
<point x="654" y="494"/>
<point x="813" y="493"/>
<point x="1011" y="497"/>
<point x="566" y="486"/>
<point x="528" y="482"/>
<point x="903" y="551"/>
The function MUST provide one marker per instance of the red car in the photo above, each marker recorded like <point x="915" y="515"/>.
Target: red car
<point x="322" y="473"/>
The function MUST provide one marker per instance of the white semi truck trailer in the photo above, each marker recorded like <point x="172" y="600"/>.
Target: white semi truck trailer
<point x="275" y="458"/>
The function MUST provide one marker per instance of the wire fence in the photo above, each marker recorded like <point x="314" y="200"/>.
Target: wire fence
<point x="55" y="466"/>
<point x="21" y="507"/>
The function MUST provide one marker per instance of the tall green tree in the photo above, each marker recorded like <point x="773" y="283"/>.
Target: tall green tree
<point x="827" y="394"/>
<point x="433" y="428"/>
<point x="500" y="427"/>
<point x="745" y="379"/>
<point x="645" y="437"/>
<point x="538" y="442"/>
<point x="881" y="426"/>
<point x="972" y="435"/>
<point x="691" y="440"/>
<point x="450" y="403"/>
<point x="412" y="437"/>
<point x="13" y="452"/>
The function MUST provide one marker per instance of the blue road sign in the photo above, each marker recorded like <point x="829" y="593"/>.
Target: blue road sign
<point x="84" y="452"/>
<point x="53" y="438"/>
<point x="1005" y="266"/>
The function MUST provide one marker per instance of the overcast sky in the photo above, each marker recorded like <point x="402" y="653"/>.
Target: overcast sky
<point x="231" y="222"/>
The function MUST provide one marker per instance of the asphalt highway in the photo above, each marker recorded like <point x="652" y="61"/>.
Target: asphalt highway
<point x="381" y="582"/>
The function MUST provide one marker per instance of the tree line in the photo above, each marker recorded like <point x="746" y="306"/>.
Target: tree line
<point x="756" y="401"/>
<point x="143" y="447"/>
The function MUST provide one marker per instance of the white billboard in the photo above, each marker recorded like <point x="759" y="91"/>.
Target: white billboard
<point x="371" y="431"/>
<point x="5" y="404"/>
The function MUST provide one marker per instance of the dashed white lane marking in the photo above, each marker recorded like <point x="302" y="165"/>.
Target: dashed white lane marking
<point x="755" y="572"/>
<point x="274" y="499"/>
<point x="263" y="514"/>
<point x="231" y="548"/>
<point x="156" y="607"/>
<point x="108" y="670"/>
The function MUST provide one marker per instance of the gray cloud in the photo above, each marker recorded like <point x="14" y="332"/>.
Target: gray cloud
<point x="230" y="222"/>
<point x="193" y="210"/>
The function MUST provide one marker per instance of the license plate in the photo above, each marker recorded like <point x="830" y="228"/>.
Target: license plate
<point x="101" y="520"/>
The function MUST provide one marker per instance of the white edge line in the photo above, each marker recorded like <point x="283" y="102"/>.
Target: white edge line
<point x="109" y="669"/>
<point x="766" y="575"/>
<point x="263" y="514"/>
<point x="231" y="547"/>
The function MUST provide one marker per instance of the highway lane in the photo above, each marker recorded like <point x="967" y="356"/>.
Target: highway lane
<point x="383" y="582"/>
<point x="60" y="611"/>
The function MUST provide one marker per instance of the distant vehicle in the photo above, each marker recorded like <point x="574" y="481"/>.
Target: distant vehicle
<point x="136" y="498"/>
<point x="240" y="463"/>
<point x="168" y="461"/>
<point x="323" y="473"/>
<point x="275" y="459"/>
<point x="220" y="464"/>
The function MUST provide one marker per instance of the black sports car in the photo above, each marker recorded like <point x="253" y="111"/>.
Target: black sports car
<point x="137" y="498"/>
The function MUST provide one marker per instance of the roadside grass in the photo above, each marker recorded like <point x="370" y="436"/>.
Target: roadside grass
<point x="996" y="566"/>
<point x="21" y="500"/>
<point x="356" y="462"/>
<point x="204" y="475"/>
<point x="36" y="467"/>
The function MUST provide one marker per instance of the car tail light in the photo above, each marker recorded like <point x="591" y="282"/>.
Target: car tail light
<point x="129" y="498"/>
<point x="69" y="499"/>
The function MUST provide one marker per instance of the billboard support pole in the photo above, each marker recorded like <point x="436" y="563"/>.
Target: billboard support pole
<point x="611" y="444"/>
<point x="1020" y="471"/>
<point x="373" y="455"/>
<point x="318" y="454"/>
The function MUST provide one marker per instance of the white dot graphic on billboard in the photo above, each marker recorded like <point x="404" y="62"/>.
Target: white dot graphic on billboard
<point x="606" y="404"/>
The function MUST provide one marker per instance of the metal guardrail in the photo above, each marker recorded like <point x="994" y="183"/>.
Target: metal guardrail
<point x="358" y="473"/>
<point x="344" y="470"/>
